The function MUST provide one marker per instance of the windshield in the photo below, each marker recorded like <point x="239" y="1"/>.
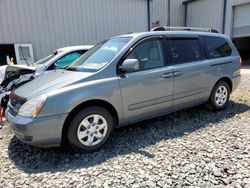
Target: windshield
<point x="98" y="56"/>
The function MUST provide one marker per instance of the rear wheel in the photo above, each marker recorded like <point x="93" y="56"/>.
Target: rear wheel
<point x="219" y="97"/>
<point x="90" y="128"/>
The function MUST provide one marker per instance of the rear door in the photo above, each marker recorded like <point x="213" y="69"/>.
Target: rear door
<point x="148" y="91"/>
<point x="191" y="71"/>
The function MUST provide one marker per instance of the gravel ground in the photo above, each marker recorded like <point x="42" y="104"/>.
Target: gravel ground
<point x="192" y="147"/>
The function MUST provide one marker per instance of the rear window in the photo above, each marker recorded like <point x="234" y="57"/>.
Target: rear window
<point x="184" y="50"/>
<point x="217" y="47"/>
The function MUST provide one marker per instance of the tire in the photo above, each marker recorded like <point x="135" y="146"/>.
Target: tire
<point x="90" y="128"/>
<point x="217" y="101"/>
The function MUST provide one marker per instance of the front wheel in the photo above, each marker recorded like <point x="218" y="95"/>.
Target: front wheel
<point x="219" y="97"/>
<point x="90" y="128"/>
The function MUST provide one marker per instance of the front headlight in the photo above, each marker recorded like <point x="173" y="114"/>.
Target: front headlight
<point x="32" y="107"/>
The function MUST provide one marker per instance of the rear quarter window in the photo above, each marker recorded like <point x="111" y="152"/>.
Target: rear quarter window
<point x="217" y="47"/>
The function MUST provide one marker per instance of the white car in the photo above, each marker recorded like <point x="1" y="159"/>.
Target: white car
<point x="12" y="76"/>
<point x="60" y="58"/>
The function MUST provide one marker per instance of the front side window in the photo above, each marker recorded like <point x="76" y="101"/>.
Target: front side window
<point x="184" y="50"/>
<point x="149" y="54"/>
<point x="217" y="46"/>
<point x="100" y="55"/>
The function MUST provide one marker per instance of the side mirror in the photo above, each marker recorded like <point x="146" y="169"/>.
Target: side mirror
<point x="130" y="65"/>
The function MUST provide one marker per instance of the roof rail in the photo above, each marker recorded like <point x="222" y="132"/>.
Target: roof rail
<point x="184" y="29"/>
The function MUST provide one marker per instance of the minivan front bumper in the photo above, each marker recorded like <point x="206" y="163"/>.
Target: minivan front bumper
<point x="41" y="131"/>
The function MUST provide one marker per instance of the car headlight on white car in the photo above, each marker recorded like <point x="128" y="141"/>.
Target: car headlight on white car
<point x="32" y="107"/>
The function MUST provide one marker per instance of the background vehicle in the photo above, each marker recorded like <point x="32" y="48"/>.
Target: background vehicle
<point x="123" y="80"/>
<point x="12" y="76"/>
<point x="60" y="58"/>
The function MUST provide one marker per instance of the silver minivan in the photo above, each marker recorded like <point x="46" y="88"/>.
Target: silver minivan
<point x="123" y="80"/>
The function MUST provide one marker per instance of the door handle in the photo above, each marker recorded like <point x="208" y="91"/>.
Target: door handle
<point x="167" y="75"/>
<point x="177" y="73"/>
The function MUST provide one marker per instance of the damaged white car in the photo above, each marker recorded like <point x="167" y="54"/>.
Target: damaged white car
<point x="13" y="76"/>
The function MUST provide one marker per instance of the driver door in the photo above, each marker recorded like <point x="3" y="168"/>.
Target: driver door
<point x="149" y="91"/>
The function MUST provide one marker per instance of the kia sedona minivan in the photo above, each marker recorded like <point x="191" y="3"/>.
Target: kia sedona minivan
<point x="122" y="80"/>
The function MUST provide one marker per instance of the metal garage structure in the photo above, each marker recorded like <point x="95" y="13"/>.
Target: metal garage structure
<point x="51" y="24"/>
<point x="167" y="12"/>
<point x="241" y="21"/>
<point x="204" y="13"/>
<point x="227" y="16"/>
<point x="240" y="27"/>
<point x="45" y="25"/>
<point x="231" y="17"/>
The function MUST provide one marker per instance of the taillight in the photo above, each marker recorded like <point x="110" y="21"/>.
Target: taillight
<point x="240" y="62"/>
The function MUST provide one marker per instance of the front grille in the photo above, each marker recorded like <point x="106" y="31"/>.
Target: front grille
<point x="15" y="103"/>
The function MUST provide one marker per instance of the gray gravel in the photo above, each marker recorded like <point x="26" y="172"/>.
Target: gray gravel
<point x="193" y="147"/>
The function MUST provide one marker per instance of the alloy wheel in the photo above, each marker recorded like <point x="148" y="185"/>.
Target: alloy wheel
<point x="92" y="130"/>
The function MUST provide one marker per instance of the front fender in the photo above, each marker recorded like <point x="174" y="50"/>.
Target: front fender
<point x="64" y="100"/>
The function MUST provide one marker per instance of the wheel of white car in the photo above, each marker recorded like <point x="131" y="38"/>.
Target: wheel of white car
<point x="90" y="128"/>
<point x="219" y="97"/>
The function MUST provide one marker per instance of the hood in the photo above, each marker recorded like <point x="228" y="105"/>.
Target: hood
<point x="50" y="81"/>
<point x="20" y="69"/>
<point x="9" y="73"/>
<point x="23" y="67"/>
